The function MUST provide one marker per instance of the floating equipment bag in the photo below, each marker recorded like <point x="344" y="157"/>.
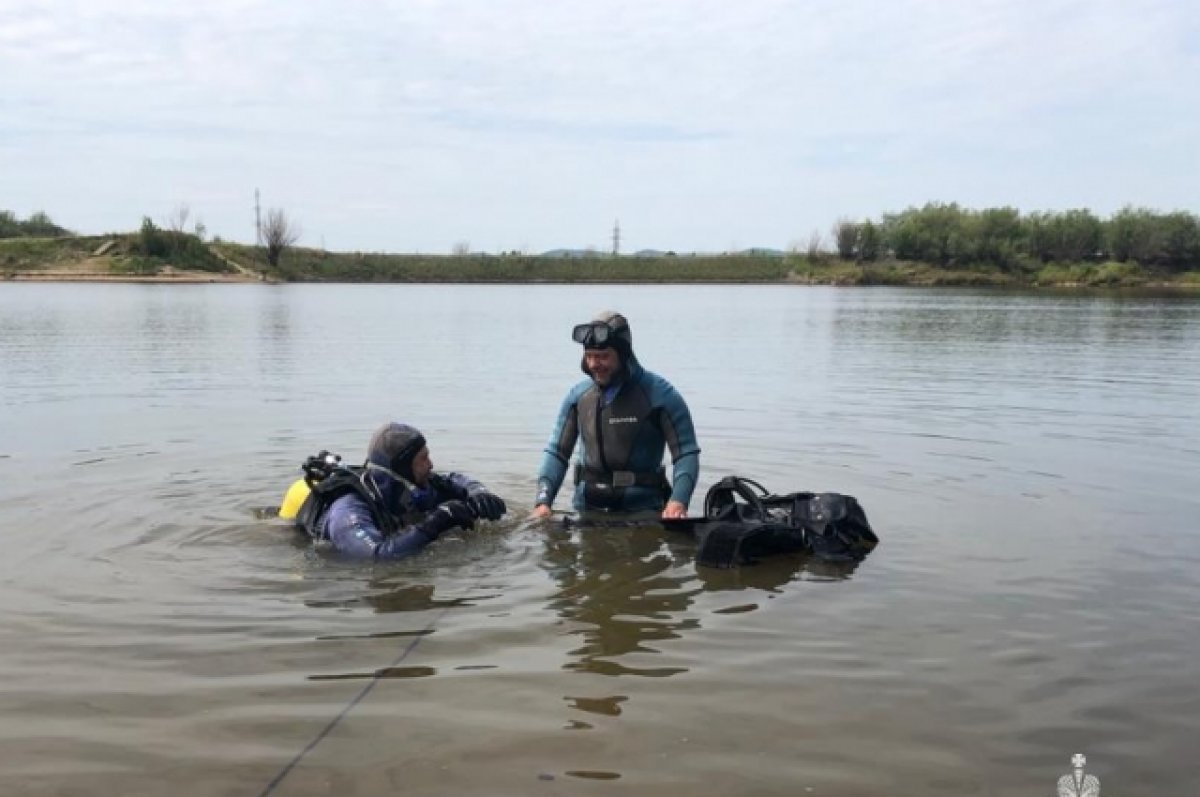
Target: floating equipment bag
<point x="743" y="522"/>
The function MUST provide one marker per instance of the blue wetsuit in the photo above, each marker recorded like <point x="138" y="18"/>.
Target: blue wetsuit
<point x="623" y="431"/>
<point x="350" y="526"/>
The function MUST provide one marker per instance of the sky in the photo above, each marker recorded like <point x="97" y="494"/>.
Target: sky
<point x="699" y="125"/>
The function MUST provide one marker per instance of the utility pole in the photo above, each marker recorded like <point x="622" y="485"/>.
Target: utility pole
<point x="257" y="220"/>
<point x="616" y="237"/>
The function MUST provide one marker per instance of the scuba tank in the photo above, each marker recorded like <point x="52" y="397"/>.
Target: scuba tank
<point x="325" y="480"/>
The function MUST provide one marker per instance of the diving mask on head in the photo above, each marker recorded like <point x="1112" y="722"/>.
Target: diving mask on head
<point x="594" y="335"/>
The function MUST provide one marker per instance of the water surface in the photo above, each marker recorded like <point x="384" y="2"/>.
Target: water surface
<point x="1029" y="462"/>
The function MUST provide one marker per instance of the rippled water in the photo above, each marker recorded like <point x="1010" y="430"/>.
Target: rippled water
<point x="1029" y="461"/>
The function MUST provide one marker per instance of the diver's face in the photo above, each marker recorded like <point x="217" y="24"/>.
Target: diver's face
<point x="422" y="466"/>
<point x="602" y="364"/>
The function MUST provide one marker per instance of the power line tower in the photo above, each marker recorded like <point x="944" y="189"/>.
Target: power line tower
<point x="257" y="220"/>
<point x="616" y="237"/>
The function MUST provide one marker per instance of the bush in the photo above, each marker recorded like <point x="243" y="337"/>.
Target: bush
<point x="176" y="248"/>
<point x="38" y="225"/>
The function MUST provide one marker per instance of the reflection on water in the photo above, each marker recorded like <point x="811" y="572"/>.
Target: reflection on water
<point x="623" y="591"/>
<point x="385" y="672"/>
<point x="1028" y="460"/>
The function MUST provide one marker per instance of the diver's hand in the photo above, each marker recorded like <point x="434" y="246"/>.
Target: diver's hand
<point x="447" y="516"/>
<point x="487" y="505"/>
<point x="541" y="512"/>
<point x="674" y="509"/>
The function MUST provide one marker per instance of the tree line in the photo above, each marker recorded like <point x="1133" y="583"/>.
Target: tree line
<point x="951" y="236"/>
<point x="944" y="235"/>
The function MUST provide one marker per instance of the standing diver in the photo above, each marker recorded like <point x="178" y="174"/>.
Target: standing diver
<point x="363" y="511"/>
<point x="625" y="416"/>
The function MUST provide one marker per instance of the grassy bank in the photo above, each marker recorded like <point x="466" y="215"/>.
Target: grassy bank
<point x="312" y="265"/>
<point x="1052" y="275"/>
<point x="166" y="256"/>
<point x="162" y="254"/>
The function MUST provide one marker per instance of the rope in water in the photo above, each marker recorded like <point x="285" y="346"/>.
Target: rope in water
<point x="362" y="693"/>
<point x="567" y="521"/>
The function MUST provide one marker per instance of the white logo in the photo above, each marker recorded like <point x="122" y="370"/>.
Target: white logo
<point x="631" y="419"/>
<point x="1077" y="784"/>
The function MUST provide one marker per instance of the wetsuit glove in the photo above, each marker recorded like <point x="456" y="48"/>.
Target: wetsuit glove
<point x="488" y="506"/>
<point x="446" y="516"/>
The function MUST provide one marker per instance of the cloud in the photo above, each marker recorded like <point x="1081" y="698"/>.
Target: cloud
<point x="523" y="122"/>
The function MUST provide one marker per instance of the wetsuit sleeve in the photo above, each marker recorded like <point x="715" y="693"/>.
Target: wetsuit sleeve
<point x="681" y="439"/>
<point x="558" y="451"/>
<point x="352" y="531"/>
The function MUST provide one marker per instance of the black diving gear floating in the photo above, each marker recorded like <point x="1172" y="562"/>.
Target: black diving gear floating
<point x="743" y="522"/>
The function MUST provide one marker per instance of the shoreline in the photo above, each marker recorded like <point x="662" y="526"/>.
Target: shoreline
<point x="209" y="278"/>
<point x="114" y="260"/>
<point x="178" y="278"/>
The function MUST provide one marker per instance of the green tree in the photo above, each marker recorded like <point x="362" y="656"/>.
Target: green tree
<point x="152" y="241"/>
<point x="9" y="226"/>
<point x="870" y="241"/>
<point x="39" y="225"/>
<point x="1082" y="236"/>
<point x="999" y="237"/>
<point x="1180" y="241"/>
<point x="1132" y="236"/>
<point x="845" y="236"/>
<point x="936" y="233"/>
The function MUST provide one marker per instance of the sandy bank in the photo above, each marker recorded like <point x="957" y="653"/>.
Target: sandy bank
<point x="174" y="277"/>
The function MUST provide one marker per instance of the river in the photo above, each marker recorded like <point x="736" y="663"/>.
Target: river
<point x="1031" y="463"/>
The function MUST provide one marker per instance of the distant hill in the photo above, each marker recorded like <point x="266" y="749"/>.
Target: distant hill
<point x="752" y="252"/>
<point x="570" y="253"/>
<point x="598" y="253"/>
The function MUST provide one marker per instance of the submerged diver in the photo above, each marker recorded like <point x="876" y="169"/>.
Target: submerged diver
<point x="371" y="512"/>
<point x="625" y="417"/>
